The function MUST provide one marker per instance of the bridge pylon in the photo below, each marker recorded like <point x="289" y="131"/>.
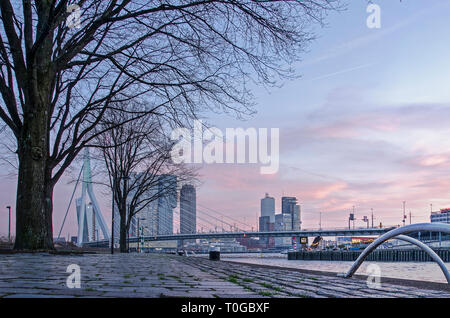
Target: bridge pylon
<point x="89" y="215"/>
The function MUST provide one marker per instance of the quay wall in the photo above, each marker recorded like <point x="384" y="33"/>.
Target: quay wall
<point x="385" y="255"/>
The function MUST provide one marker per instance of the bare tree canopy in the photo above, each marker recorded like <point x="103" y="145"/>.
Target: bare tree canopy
<point x="138" y="165"/>
<point x="176" y="57"/>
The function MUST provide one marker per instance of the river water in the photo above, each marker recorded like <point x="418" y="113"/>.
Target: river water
<point x="427" y="271"/>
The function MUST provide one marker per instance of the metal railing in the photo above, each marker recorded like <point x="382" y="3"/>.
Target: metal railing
<point x="398" y="234"/>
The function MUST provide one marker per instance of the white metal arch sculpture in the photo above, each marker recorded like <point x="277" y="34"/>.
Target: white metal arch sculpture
<point x="398" y="234"/>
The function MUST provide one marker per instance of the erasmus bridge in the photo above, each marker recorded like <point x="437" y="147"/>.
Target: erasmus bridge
<point x="90" y="220"/>
<point x="242" y="234"/>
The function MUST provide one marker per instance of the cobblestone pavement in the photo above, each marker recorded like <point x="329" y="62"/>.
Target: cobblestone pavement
<point x="159" y="275"/>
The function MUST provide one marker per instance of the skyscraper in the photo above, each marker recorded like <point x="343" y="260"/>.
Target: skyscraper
<point x="167" y="186"/>
<point x="289" y="219"/>
<point x="156" y="217"/>
<point x="188" y="209"/>
<point x="288" y="206"/>
<point x="268" y="207"/>
<point x="267" y="219"/>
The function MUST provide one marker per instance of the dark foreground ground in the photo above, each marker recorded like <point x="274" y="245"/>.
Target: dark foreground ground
<point x="159" y="275"/>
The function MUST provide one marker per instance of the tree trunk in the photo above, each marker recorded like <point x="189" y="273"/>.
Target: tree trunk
<point x="34" y="204"/>
<point x="123" y="234"/>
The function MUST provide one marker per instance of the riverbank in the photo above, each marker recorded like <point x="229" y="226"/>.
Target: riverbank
<point x="420" y="284"/>
<point x="382" y="255"/>
<point x="159" y="275"/>
<point x="420" y="271"/>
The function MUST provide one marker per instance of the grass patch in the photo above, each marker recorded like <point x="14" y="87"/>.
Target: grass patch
<point x="278" y="289"/>
<point x="233" y="279"/>
<point x="265" y="293"/>
<point x="266" y="285"/>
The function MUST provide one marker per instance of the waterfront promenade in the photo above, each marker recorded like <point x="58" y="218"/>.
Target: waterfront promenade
<point x="159" y="275"/>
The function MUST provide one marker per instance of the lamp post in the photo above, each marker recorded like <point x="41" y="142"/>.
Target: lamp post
<point x="139" y="233"/>
<point x="9" y="224"/>
<point x="112" y="214"/>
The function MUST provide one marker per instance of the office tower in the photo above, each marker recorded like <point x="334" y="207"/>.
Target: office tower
<point x="282" y="223"/>
<point x="289" y="219"/>
<point x="297" y="218"/>
<point x="155" y="217"/>
<point x="188" y="209"/>
<point x="288" y="207"/>
<point x="167" y="201"/>
<point x="268" y="208"/>
<point x="267" y="220"/>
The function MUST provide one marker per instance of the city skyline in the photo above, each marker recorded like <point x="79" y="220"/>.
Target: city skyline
<point x="352" y="133"/>
<point x="255" y="153"/>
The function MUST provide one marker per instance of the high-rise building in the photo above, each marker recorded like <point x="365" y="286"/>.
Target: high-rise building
<point x="167" y="201"/>
<point x="267" y="219"/>
<point x="289" y="219"/>
<point x="188" y="209"/>
<point x="297" y="218"/>
<point x="268" y="207"/>
<point x="289" y="206"/>
<point x="156" y="218"/>
<point x="282" y="223"/>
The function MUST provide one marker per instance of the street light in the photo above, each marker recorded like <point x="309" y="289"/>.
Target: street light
<point x="139" y="233"/>
<point x="9" y="224"/>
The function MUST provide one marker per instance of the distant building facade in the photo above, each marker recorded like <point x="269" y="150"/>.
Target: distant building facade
<point x="443" y="216"/>
<point x="283" y="223"/>
<point x="188" y="209"/>
<point x="289" y="206"/>
<point x="289" y="219"/>
<point x="167" y="185"/>
<point x="156" y="218"/>
<point x="268" y="207"/>
<point x="267" y="220"/>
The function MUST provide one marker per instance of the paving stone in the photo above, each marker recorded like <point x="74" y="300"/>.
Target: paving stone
<point x="159" y="275"/>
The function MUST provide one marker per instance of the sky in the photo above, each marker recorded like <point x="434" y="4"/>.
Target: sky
<point x="366" y="125"/>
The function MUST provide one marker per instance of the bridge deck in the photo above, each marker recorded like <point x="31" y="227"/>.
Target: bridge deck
<point x="308" y="233"/>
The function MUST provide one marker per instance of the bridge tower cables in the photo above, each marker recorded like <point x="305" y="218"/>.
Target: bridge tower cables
<point x="90" y="214"/>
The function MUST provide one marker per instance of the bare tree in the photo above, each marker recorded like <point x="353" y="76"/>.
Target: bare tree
<point x="179" y="56"/>
<point x="138" y="164"/>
